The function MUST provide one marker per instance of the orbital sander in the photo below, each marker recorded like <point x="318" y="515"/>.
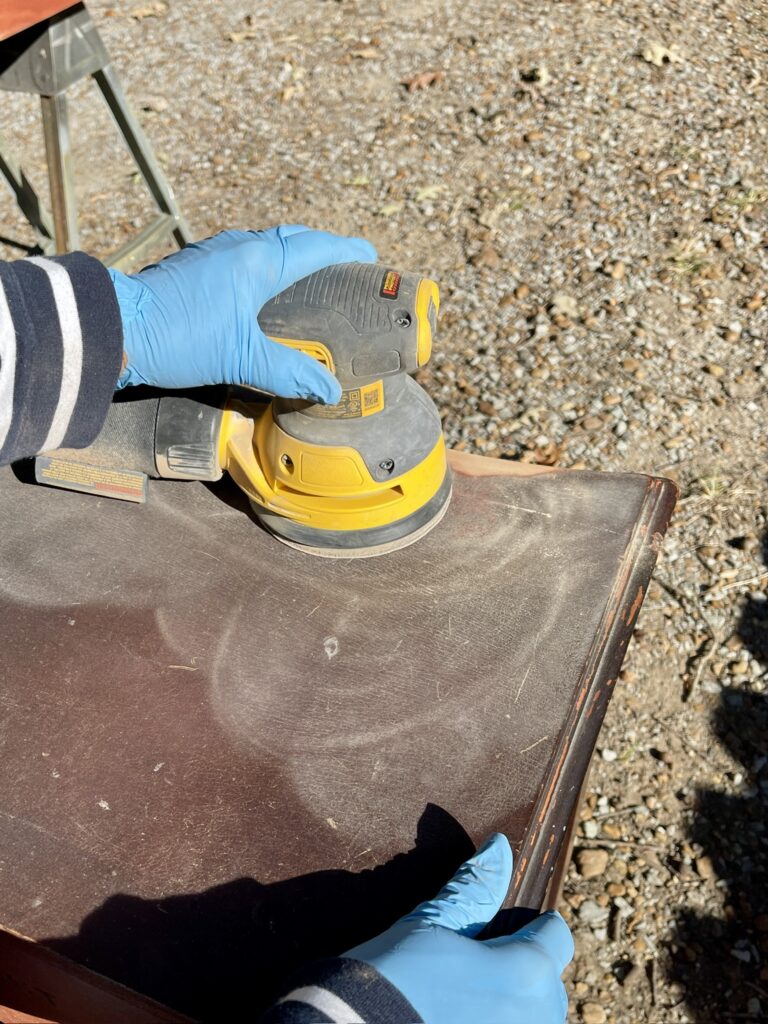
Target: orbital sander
<point x="360" y="478"/>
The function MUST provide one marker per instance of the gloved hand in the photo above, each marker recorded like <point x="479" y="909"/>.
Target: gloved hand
<point x="191" y="319"/>
<point x="432" y="956"/>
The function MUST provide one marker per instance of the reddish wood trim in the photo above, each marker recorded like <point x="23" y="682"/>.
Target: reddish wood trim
<point x="42" y="986"/>
<point x="21" y="14"/>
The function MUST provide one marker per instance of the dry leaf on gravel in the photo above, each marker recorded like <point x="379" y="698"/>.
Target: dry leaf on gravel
<point x="238" y="37"/>
<point x="423" y="80"/>
<point x="659" y="54"/>
<point x="149" y="11"/>
<point x="390" y="209"/>
<point x="429" y="192"/>
<point x="367" y="53"/>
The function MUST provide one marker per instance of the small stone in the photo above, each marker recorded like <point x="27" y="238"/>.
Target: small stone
<point x="522" y="291"/>
<point x="486" y="257"/>
<point x="715" y="370"/>
<point x="565" y="304"/>
<point x="608" y="755"/>
<point x="612" y="831"/>
<point x="704" y="867"/>
<point x="592" y="423"/>
<point x="618" y="270"/>
<point x="591" y="863"/>
<point x="590" y="912"/>
<point x="591" y="829"/>
<point x="582" y="155"/>
<point x="534" y="136"/>
<point x="593" y="1013"/>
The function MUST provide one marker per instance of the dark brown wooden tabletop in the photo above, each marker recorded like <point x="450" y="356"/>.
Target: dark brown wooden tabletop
<point x="221" y="757"/>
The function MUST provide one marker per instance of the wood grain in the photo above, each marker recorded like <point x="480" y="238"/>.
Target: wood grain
<point x="223" y="757"/>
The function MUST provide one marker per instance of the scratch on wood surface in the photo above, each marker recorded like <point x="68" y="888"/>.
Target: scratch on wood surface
<point x="530" y="666"/>
<point x="526" y="749"/>
<point x="208" y="554"/>
<point x="309" y="616"/>
<point x="31" y="824"/>
<point x="522" y="508"/>
<point x="186" y="668"/>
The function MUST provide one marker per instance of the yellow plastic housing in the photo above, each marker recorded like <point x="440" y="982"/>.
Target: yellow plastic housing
<point x="427" y="308"/>
<point x="326" y="488"/>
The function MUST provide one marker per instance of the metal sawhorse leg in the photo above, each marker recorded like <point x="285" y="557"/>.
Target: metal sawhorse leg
<point x="46" y="60"/>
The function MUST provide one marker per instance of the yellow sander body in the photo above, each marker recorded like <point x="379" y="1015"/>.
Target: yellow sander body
<point x="360" y="478"/>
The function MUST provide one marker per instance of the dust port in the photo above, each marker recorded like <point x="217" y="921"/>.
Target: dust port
<point x="287" y="462"/>
<point x="402" y="318"/>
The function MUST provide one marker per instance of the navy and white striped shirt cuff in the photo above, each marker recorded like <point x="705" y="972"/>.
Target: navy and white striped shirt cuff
<point x="61" y="343"/>
<point x="341" y="991"/>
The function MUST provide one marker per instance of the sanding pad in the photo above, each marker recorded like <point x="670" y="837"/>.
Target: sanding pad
<point x="361" y="543"/>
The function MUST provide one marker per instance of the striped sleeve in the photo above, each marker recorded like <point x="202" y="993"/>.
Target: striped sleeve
<point x="341" y="991"/>
<point x="61" y="343"/>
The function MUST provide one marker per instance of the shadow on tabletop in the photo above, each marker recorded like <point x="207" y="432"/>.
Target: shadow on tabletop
<point x="214" y="953"/>
<point x="720" y="958"/>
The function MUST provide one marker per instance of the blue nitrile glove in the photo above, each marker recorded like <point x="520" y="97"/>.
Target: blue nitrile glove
<point x="432" y="956"/>
<point x="191" y="319"/>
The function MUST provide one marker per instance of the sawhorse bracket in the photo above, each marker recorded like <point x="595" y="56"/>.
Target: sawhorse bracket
<point x="46" y="60"/>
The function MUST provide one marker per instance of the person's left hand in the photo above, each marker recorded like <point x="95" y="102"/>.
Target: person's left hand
<point x="433" y="956"/>
<point x="191" y="319"/>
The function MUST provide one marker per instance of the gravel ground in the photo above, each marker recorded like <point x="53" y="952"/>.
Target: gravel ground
<point x="586" y="180"/>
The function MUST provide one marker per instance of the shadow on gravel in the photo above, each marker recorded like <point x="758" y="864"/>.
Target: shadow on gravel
<point x="723" y="960"/>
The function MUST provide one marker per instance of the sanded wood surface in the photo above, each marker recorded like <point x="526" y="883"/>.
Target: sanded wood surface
<point x="18" y="15"/>
<point x="221" y="757"/>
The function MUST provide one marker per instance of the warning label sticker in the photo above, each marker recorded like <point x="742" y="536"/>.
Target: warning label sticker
<point x="126" y="484"/>
<point x="390" y="286"/>
<point x="354" y="403"/>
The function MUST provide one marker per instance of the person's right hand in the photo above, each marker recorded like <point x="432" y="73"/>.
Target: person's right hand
<point x="192" y="318"/>
<point x="433" y="957"/>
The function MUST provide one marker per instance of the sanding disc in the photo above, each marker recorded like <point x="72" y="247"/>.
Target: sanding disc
<point x="362" y="543"/>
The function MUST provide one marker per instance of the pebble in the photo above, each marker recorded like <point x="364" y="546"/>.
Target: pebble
<point x="591" y="829"/>
<point x="591" y="863"/>
<point x="591" y="913"/>
<point x="592" y="1013"/>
